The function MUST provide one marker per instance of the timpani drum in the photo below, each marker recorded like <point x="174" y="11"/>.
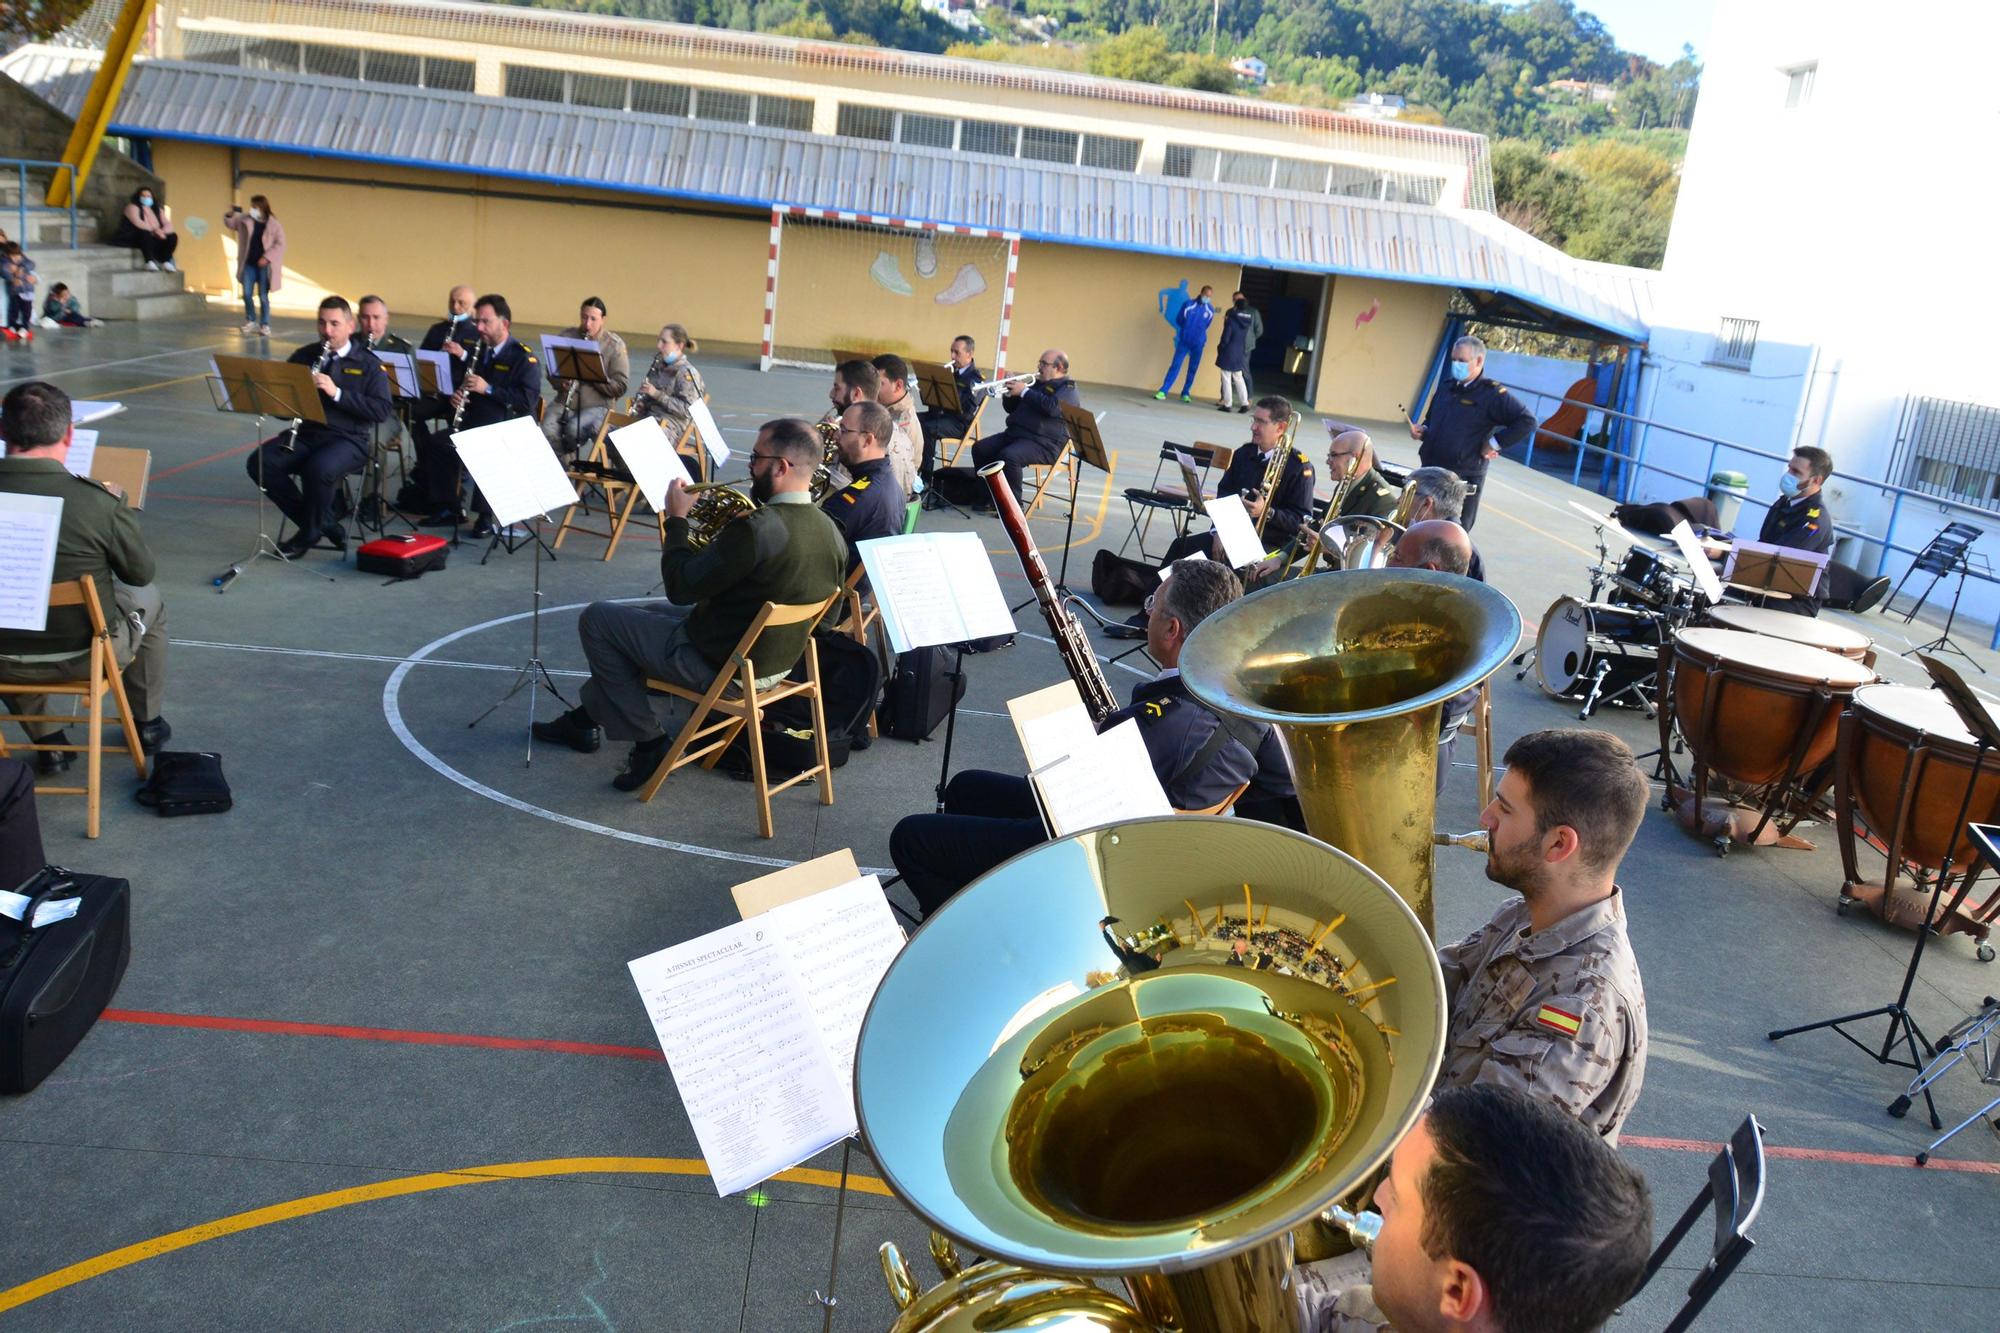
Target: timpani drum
<point x="1756" y="709"/>
<point x="1904" y="765"/>
<point x="1811" y="632"/>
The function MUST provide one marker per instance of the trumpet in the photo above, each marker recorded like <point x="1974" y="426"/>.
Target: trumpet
<point x="995" y="386"/>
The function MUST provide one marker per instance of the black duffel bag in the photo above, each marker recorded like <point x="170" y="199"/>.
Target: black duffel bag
<point x="56" y="980"/>
<point x="850" y="683"/>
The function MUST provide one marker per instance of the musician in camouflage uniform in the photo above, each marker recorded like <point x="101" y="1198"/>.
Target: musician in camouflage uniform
<point x="1546" y="996"/>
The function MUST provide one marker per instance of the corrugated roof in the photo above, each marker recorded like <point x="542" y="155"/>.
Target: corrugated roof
<point x="760" y="167"/>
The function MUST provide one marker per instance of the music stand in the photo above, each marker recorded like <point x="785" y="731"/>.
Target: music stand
<point x="514" y="468"/>
<point x="372" y="511"/>
<point x="938" y="388"/>
<point x="578" y="360"/>
<point x="1761" y="568"/>
<point x="1957" y="555"/>
<point x="1943" y="554"/>
<point x="252" y="386"/>
<point x="1903" y="1030"/>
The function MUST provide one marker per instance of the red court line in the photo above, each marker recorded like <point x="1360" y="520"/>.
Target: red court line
<point x="210" y="458"/>
<point x="1906" y="1160"/>
<point x="408" y="1036"/>
<point x="415" y="1037"/>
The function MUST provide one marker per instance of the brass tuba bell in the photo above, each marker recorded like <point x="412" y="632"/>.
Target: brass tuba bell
<point x="1146" y="1051"/>
<point x="1354" y="672"/>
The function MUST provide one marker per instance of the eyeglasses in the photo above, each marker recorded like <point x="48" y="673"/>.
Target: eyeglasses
<point x="768" y="458"/>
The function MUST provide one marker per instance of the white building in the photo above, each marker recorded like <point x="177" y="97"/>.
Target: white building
<point x="1831" y="268"/>
<point x="1250" y="69"/>
<point x="1379" y="106"/>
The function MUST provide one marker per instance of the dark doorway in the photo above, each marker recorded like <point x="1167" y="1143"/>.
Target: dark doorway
<point x="1290" y="303"/>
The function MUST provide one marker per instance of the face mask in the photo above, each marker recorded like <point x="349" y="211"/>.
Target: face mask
<point x="670" y="357"/>
<point x="1240" y="303"/>
<point x="256" y="215"/>
<point x="146" y="200"/>
<point x="1460" y="372"/>
<point x="1788" y="486"/>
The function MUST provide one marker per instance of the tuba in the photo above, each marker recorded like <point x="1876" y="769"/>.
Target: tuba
<point x="1354" y="673"/>
<point x="1196" y="1035"/>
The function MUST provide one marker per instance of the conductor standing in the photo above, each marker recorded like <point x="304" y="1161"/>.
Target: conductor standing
<point x="1470" y="421"/>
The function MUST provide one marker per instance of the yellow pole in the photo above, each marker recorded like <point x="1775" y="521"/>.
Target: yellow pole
<point x="95" y="117"/>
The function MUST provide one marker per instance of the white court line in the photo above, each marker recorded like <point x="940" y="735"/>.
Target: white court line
<point x="128" y="361"/>
<point x="362" y="657"/>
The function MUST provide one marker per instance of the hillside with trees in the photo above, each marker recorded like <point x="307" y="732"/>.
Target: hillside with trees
<point x="1587" y="138"/>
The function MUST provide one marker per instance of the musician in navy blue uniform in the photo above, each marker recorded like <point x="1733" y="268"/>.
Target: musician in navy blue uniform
<point x="1470" y="421"/>
<point x="1035" y="431"/>
<point x="952" y="425"/>
<point x="1800" y="518"/>
<point x="989" y="817"/>
<point x="353" y="395"/>
<point x="503" y="381"/>
<point x="871" y="504"/>
<point x="429" y="414"/>
<point x="1293" y="501"/>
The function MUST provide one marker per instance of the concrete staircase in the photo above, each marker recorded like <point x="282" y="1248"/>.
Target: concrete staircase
<point x="111" y="281"/>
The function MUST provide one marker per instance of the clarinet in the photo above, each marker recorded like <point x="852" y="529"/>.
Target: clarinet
<point x="633" y="400"/>
<point x="462" y="393"/>
<point x="319" y="364"/>
<point x="1071" y="641"/>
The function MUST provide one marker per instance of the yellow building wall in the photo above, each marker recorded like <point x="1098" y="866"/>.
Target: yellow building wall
<point x="850" y="289"/>
<point x="1378" y="338"/>
<point x="1103" y="308"/>
<point x="358" y="232"/>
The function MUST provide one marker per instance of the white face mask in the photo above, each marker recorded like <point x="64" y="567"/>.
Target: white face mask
<point x="146" y="200"/>
<point x="256" y="215"/>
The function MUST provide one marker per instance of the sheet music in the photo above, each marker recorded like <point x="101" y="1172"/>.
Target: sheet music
<point x="1051" y="723"/>
<point x="1240" y="542"/>
<point x="440" y="365"/>
<point x="711" y="434"/>
<point x="402" y="372"/>
<point x="840" y="942"/>
<point x="760" y="1087"/>
<point x="935" y="588"/>
<point x="28" y="528"/>
<point x="515" y="469"/>
<point x="82" y="449"/>
<point x="1106" y="782"/>
<point x="1704" y="572"/>
<point x="649" y="456"/>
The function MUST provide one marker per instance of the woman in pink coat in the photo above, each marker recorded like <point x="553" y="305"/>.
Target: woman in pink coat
<point x="260" y="253"/>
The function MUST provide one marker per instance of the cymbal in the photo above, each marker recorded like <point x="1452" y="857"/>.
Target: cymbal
<point x="1611" y="524"/>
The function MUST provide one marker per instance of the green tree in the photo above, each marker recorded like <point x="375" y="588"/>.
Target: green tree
<point x="1139" y="54"/>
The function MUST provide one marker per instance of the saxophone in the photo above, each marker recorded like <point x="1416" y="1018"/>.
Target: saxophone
<point x="1305" y="532"/>
<point x="460" y="394"/>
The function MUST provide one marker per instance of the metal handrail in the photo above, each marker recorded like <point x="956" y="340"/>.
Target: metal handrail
<point x="1636" y="463"/>
<point x="21" y="165"/>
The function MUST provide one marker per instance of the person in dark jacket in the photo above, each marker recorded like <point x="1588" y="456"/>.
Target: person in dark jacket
<point x="989" y="817"/>
<point x="871" y="504"/>
<point x="1232" y="353"/>
<point x="1289" y="506"/>
<point x="1190" y="339"/>
<point x="1800" y="518"/>
<point x="505" y="381"/>
<point x="1470" y="421"/>
<point x="353" y="395"/>
<point x="952" y="425"/>
<point x="1036" y="431"/>
<point x="428" y="414"/>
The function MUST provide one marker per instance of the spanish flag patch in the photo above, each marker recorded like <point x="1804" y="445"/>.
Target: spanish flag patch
<point x="1560" y="1020"/>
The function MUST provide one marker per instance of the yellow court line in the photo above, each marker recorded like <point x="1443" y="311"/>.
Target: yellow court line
<point x="1096" y="524"/>
<point x="112" y="1260"/>
<point x="1539" y="531"/>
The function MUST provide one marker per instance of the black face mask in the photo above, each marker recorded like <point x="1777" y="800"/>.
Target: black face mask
<point x="1240" y="303"/>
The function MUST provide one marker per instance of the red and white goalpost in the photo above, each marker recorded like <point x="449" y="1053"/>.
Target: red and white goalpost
<point x="861" y="281"/>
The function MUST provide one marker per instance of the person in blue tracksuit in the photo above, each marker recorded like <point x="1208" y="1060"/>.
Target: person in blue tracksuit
<point x="1190" y="341"/>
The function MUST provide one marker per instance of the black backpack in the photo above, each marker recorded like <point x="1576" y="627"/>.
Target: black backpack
<point x="850" y="682"/>
<point x="1121" y="582"/>
<point x="921" y="693"/>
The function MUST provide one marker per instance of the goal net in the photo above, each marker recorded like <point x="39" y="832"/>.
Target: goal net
<point x="850" y="283"/>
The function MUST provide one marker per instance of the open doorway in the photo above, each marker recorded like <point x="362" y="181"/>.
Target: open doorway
<point x="1290" y="304"/>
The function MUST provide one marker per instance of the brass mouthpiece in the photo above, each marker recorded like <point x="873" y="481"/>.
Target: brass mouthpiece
<point x="1476" y="840"/>
<point x="1362" y="1228"/>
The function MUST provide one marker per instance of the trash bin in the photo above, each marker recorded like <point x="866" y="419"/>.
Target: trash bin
<point x="1727" y="491"/>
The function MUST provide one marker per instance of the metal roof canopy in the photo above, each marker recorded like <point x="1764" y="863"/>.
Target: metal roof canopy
<point x="760" y="167"/>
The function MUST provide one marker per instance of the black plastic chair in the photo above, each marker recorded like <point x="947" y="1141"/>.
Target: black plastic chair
<point x="1735" y="1191"/>
<point x="1848" y="589"/>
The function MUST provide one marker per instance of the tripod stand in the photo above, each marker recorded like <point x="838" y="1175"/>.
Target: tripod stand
<point x="1943" y="642"/>
<point x="1903" y="1030"/>
<point x="533" y="675"/>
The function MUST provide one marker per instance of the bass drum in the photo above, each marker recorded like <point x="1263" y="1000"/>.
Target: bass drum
<point x="1576" y="636"/>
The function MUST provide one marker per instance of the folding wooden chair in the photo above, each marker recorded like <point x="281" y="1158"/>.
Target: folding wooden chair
<point x="1064" y="462"/>
<point x="594" y="471"/>
<point x="735" y="696"/>
<point x="969" y="436"/>
<point x="1480" y="723"/>
<point x="104" y="677"/>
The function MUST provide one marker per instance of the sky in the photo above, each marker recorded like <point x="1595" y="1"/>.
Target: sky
<point x="1655" y="28"/>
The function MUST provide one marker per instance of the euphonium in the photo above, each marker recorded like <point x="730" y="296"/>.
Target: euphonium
<point x="1354" y="673"/>
<point x="1370" y="540"/>
<point x="1194" y="1035"/>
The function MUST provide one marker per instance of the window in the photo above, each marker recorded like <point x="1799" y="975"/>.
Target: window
<point x="1193" y="163"/>
<point x="450" y="75"/>
<point x="865" y="122"/>
<point x="660" y="99"/>
<point x="1954" y="449"/>
<point x="1246" y="169"/>
<point x="211" y="48"/>
<point x="1355" y="182"/>
<point x="927" y="131"/>
<point x="533" y="83"/>
<point x="282" y="57"/>
<point x="1799" y="84"/>
<point x="1110" y="154"/>
<point x="988" y="136"/>
<point x="713" y="104"/>
<point x="332" y="62"/>
<point x="597" y="90"/>
<point x="389" y="67"/>
<point x="1735" y="343"/>
<point x="1296" y="175"/>
<point x="1039" y="145"/>
<point x="785" y="113"/>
